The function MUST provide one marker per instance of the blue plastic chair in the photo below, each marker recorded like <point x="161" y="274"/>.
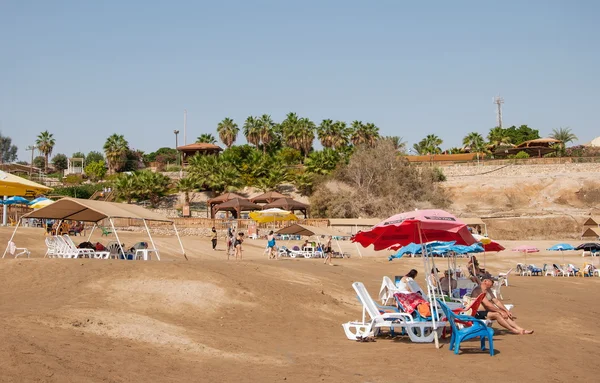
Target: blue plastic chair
<point x="477" y="329"/>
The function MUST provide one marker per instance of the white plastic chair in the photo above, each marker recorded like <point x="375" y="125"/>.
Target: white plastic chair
<point x="387" y="290"/>
<point x="417" y="331"/>
<point x="505" y="276"/>
<point x="75" y="250"/>
<point x="51" y="248"/>
<point x="16" y="251"/>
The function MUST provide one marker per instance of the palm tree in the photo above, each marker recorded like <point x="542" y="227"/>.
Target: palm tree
<point x="325" y="133"/>
<point x="356" y="128"/>
<point x="252" y="131"/>
<point x="305" y="135"/>
<point x="265" y="128"/>
<point x="289" y="130"/>
<point x="115" y="150"/>
<point x="364" y="133"/>
<point x="340" y="135"/>
<point x="45" y="143"/>
<point x="429" y="145"/>
<point x="396" y="141"/>
<point x="497" y="137"/>
<point x="228" y="131"/>
<point x="474" y="141"/>
<point x="206" y="138"/>
<point x="564" y="135"/>
<point x="187" y="185"/>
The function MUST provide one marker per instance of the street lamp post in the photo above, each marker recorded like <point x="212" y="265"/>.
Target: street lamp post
<point x="176" y="145"/>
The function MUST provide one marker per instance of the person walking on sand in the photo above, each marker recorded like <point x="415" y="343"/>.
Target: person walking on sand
<point x="230" y="239"/>
<point x="271" y="248"/>
<point x="328" y="251"/>
<point x="214" y="238"/>
<point x="237" y="244"/>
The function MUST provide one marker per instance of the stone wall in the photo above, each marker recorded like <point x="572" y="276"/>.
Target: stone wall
<point x="519" y="170"/>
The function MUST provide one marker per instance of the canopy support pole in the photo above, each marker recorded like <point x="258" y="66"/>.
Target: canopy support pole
<point x="91" y="232"/>
<point x="5" y="213"/>
<point x="339" y="248"/>
<point x="151" y="239"/>
<point x="117" y="236"/>
<point x="180" y="243"/>
<point x="358" y="249"/>
<point x="11" y="237"/>
<point x="432" y="301"/>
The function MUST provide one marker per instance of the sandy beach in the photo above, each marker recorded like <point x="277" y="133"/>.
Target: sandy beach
<point x="213" y="320"/>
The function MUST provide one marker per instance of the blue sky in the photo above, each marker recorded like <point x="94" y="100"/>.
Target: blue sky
<point x="86" y="69"/>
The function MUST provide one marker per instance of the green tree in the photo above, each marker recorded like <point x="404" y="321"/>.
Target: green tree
<point x="265" y="128"/>
<point x="115" y="149"/>
<point x="325" y="133"/>
<point x="206" y="138"/>
<point x="498" y="137"/>
<point x="78" y="155"/>
<point x="94" y="157"/>
<point x="521" y="134"/>
<point x="305" y="134"/>
<point x="60" y="162"/>
<point x="252" y="131"/>
<point x="563" y="134"/>
<point x="95" y="170"/>
<point x="45" y="143"/>
<point x="134" y="160"/>
<point x="39" y="162"/>
<point x="8" y="151"/>
<point x="340" y="135"/>
<point x="290" y="132"/>
<point x="429" y="145"/>
<point x="125" y="186"/>
<point x="151" y="186"/>
<point x="322" y="162"/>
<point x="187" y="185"/>
<point x="364" y="134"/>
<point x="228" y="131"/>
<point x="475" y="142"/>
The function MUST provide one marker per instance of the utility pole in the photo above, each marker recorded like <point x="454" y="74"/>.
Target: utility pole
<point x="184" y="126"/>
<point x="32" y="148"/>
<point x="176" y="144"/>
<point x="498" y="101"/>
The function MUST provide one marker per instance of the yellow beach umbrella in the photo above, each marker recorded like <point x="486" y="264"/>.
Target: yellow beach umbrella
<point x="272" y="215"/>
<point x="42" y="203"/>
<point x="482" y="239"/>
<point x="11" y="185"/>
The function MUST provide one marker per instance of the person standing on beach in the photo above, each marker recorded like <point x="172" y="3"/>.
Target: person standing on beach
<point x="237" y="244"/>
<point x="230" y="239"/>
<point x="214" y="238"/>
<point x="271" y="245"/>
<point x="328" y="251"/>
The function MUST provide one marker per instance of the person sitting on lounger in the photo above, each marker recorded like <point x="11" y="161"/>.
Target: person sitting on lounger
<point x="495" y="310"/>
<point x="403" y="283"/>
<point x="447" y="283"/>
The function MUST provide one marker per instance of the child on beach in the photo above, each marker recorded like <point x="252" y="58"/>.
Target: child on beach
<point x="272" y="249"/>
<point x="237" y="244"/>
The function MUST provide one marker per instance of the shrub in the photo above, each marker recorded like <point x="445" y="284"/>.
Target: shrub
<point x="84" y="191"/>
<point x="521" y="155"/>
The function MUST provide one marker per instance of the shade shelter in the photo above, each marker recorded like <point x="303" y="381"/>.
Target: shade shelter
<point x="289" y="204"/>
<point x="235" y="206"/>
<point x="267" y="197"/>
<point x="11" y="185"/>
<point x="219" y="200"/>
<point x="591" y="232"/>
<point x="95" y="211"/>
<point x="476" y="224"/>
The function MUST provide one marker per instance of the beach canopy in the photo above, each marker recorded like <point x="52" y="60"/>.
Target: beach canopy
<point x="438" y="248"/>
<point x="272" y="215"/>
<point x="561" y="247"/>
<point x="219" y="200"/>
<point x="308" y="230"/>
<point x="86" y="210"/>
<point x="11" y="185"/>
<point x="15" y="200"/>
<point x="418" y="226"/>
<point x="267" y="197"/>
<point x="526" y="249"/>
<point x="236" y="206"/>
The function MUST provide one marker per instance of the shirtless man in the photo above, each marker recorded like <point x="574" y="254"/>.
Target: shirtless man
<point x="495" y="310"/>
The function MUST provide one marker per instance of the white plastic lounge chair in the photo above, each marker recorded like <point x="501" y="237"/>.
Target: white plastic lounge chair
<point x="52" y="248"/>
<point x="560" y="271"/>
<point x="453" y="303"/>
<point x="421" y="332"/>
<point x="387" y="290"/>
<point x="89" y="253"/>
<point x="16" y="251"/>
<point x="523" y="269"/>
<point x="548" y="270"/>
<point x="505" y="275"/>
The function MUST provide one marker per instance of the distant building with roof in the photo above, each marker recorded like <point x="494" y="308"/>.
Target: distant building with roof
<point x="203" y="148"/>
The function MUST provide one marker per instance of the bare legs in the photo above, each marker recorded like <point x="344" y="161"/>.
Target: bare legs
<point x="508" y="324"/>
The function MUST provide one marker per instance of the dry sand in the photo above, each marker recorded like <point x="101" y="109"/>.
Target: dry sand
<point x="210" y="320"/>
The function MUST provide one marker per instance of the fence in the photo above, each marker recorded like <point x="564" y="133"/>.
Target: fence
<point x="513" y="161"/>
<point x="220" y="224"/>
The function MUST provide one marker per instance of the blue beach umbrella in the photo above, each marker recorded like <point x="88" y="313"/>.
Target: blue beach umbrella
<point x="561" y="247"/>
<point x="16" y="200"/>
<point x="38" y="199"/>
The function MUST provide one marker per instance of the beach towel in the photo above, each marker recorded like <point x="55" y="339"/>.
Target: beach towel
<point x="408" y="302"/>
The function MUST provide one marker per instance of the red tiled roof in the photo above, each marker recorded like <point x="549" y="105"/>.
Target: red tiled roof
<point x="199" y="146"/>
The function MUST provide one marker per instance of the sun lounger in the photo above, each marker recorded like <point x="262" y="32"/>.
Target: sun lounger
<point x="505" y="275"/>
<point x="558" y="270"/>
<point x="16" y="251"/>
<point x="417" y="331"/>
